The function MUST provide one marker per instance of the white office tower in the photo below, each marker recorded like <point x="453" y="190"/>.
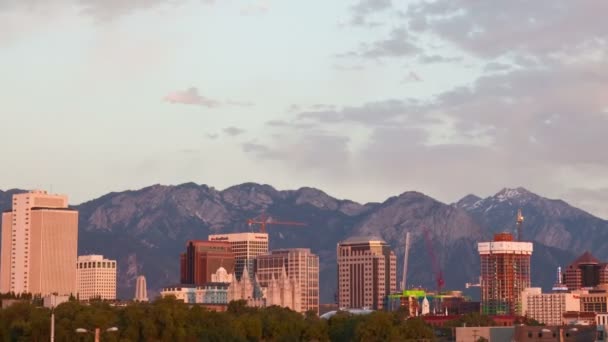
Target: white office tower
<point x="95" y="277"/>
<point x="141" y="291"/>
<point x="246" y="247"/>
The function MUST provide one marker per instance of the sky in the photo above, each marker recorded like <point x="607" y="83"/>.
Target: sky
<point x="364" y="99"/>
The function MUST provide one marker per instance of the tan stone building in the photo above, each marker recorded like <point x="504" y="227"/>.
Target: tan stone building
<point x="39" y="245"/>
<point x="367" y="272"/>
<point x="96" y="277"/>
<point x="548" y="308"/>
<point x="300" y="265"/>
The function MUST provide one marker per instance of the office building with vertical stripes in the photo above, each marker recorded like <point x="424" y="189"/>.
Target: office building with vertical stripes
<point x="39" y="245"/>
<point x="367" y="273"/>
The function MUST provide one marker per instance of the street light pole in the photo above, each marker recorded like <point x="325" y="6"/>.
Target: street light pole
<point x="96" y="332"/>
<point x="52" y="324"/>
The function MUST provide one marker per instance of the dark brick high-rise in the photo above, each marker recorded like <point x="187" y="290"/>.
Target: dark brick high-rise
<point x="203" y="258"/>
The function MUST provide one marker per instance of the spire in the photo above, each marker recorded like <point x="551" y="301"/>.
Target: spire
<point x="426" y="307"/>
<point x="245" y="273"/>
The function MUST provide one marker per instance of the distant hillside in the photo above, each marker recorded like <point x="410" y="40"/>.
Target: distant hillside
<point x="146" y="229"/>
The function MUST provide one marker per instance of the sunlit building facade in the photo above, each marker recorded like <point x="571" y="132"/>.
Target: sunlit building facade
<point x="367" y="273"/>
<point x="96" y="278"/>
<point x="39" y="245"/>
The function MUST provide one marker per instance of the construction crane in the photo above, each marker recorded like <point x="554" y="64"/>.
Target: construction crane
<point x="440" y="282"/>
<point x="263" y="221"/>
<point x="520" y="222"/>
<point x="406" y="254"/>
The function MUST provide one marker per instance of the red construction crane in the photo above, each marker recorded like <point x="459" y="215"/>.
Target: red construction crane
<point x="436" y="268"/>
<point x="263" y="221"/>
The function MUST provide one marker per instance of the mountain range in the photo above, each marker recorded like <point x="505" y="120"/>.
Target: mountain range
<point x="147" y="229"/>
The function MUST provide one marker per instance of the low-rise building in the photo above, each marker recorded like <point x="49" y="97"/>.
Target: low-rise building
<point x="52" y="301"/>
<point x="548" y="308"/>
<point x="559" y="333"/>
<point x="492" y="334"/>
<point x="595" y="300"/>
<point x="579" y="318"/>
<point x="210" y="293"/>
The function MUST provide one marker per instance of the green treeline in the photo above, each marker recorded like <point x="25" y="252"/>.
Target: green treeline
<point x="171" y="320"/>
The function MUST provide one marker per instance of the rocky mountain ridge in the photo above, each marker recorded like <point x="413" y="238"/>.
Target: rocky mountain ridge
<point x="146" y="229"/>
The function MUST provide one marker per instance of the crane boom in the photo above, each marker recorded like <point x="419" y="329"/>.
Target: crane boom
<point x="440" y="282"/>
<point x="264" y="221"/>
<point x="406" y="255"/>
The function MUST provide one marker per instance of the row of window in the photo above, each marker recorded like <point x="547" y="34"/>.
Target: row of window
<point x="96" y="264"/>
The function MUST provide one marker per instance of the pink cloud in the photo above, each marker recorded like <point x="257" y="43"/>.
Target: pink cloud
<point x="190" y="96"/>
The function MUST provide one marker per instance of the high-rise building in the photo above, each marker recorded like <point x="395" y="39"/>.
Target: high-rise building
<point x="505" y="273"/>
<point x="548" y="308"/>
<point x="39" y="245"/>
<point x="300" y="265"/>
<point x="245" y="246"/>
<point x="367" y="272"/>
<point x="585" y="272"/>
<point x="204" y="258"/>
<point x="95" y="277"/>
<point x="141" y="289"/>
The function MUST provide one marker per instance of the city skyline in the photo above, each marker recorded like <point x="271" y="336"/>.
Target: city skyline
<point x="443" y="98"/>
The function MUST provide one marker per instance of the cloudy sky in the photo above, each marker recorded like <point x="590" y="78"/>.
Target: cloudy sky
<point x="361" y="98"/>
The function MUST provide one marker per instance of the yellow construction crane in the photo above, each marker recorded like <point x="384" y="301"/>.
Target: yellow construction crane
<point x="520" y="222"/>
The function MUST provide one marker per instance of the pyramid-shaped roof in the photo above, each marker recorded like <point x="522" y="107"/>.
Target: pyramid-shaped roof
<point x="586" y="259"/>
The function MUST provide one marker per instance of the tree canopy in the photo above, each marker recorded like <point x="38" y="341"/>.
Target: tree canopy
<point x="168" y="319"/>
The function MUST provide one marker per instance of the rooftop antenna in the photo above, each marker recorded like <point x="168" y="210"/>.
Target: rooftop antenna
<point x="520" y="221"/>
<point x="406" y="254"/>
<point x="559" y="285"/>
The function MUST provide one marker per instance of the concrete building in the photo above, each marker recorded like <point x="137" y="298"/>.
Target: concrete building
<point x="579" y="318"/>
<point x="548" y="308"/>
<point x="53" y="301"/>
<point x="39" y="245"/>
<point x="204" y="258"/>
<point x="141" y="289"/>
<point x="246" y="247"/>
<point x="559" y="333"/>
<point x="585" y="272"/>
<point x="95" y="277"/>
<point x="595" y="300"/>
<point x="491" y="334"/>
<point x="367" y="273"/>
<point x="301" y="265"/>
<point x="505" y="273"/>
